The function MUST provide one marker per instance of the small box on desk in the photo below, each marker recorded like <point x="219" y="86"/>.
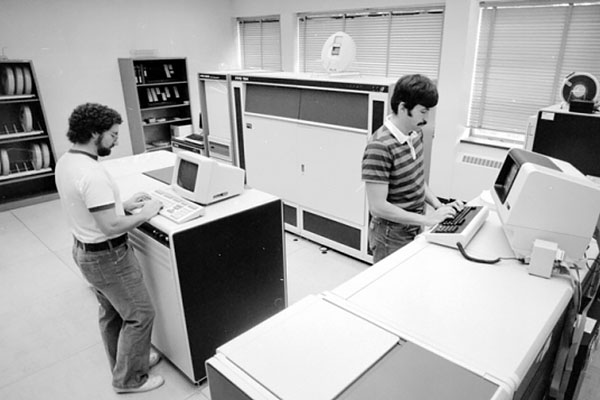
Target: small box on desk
<point x="181" y="130"/>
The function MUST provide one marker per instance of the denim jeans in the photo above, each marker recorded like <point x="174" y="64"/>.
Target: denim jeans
<point x="126" y="313"/>
<point x="385" y="237"/>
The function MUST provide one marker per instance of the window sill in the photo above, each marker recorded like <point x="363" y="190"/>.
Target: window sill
<point x="497" y="139"/>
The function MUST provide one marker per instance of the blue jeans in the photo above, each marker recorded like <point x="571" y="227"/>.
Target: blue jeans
<point x="385" y="237"/>
<point x="126" y="313"/>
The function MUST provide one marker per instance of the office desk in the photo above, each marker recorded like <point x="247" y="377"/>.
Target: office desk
<point x="211" y="278"/>
<point x="495" y="322"/>
<point x="496" y="319"/>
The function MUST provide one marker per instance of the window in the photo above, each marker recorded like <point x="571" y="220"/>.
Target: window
<point x="388" y="42"/>
<point x="524" y="53"/>
<point x="260" y="43"/>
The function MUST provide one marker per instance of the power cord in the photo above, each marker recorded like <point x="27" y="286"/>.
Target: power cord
<point x="481" y="260"/>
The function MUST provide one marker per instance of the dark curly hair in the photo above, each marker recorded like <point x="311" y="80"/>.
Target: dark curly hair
<point x="90" y="118"/>
<point x="413" y="90"/>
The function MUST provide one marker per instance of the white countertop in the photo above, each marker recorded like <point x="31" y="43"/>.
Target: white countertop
<point x="129" y="176"/>
<point x="492" y="318"/>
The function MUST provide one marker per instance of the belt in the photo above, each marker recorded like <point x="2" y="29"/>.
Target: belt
<point x="106" y="245"/>
<point x="407" y="227"/>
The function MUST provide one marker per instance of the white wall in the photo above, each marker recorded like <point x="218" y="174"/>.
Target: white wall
<point x="74" y="46"/>
<point x="456" y="67"/>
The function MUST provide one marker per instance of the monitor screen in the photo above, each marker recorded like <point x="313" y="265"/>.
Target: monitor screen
<point x="504" y="183"/>
<point x="571" y="137"/>
<point x="204" y="180"/>
<point x="186" y="175"/>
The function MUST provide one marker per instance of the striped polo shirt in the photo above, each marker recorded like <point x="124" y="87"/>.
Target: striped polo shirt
<point x="387" y="160"/>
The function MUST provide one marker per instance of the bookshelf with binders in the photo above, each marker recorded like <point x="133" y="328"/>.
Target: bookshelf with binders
<point x="27" y="157"/>
<point x="157" y="97"/>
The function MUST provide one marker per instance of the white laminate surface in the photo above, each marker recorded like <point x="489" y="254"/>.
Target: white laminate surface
<point x="312" y="341"/>
<point x="129" y="175"/>
<point x="492" y="318"/>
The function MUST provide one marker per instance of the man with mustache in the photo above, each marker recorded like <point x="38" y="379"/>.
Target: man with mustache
<point x="92" y="203"/>
<point x="394" y="174"/>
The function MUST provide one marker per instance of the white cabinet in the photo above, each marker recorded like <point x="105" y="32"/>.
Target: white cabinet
<point x="302" y="140"/>
<point x="317" y="168"/>
<point x="272" y="159"/>
<point x="331" y="170"/>
<point x="217" y="117"/>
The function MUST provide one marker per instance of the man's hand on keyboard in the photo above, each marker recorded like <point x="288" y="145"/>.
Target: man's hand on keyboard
<point x="151" y="207"/>
<point x="440" y="214"/>
<point x="457" y="205"/>
<point x="136" y="201"/>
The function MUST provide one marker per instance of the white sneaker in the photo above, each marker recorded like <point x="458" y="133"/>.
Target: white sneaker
<point x="154" y="358"/>
<point x="153" y="382"/>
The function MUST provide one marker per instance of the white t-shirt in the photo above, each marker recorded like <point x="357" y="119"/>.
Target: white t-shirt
<point x="85" y="186"/>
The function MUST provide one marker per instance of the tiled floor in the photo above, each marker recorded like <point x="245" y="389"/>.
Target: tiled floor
<point x="50" y="346"/>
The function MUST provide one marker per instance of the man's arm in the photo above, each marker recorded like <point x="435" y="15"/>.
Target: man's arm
<point x="434" y="202"/>
<point x="380" y="207"/>
<point x="432" y="199"/>
<point x="112" y="224"/>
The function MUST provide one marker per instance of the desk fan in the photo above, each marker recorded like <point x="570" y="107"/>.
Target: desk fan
<point x="580" y="91"/>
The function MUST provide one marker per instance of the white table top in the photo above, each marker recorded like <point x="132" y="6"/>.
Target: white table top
<point x="128" y="173"/>
<point x="306" y="351"/>
<point x="494" y="319"/>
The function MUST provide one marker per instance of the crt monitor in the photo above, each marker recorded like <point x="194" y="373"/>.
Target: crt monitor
<point x="538" y="197"/>
<point x="204" y="180"/>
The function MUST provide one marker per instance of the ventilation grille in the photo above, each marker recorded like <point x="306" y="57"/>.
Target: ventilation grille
<point x="483" y="162"/>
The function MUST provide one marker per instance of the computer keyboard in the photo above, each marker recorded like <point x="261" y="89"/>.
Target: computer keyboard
<point x="461" y="228"/>
<point x="175" y="208"/>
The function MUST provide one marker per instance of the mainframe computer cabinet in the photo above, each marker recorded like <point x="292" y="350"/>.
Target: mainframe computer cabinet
<point x="302" y="139"/>
<point x="212" y="278"/>
<point x="217" y="116"/>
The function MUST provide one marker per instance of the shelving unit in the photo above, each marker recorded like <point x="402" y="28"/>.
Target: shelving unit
<point x="157" y="97"/>
<point x="27" y="156"/>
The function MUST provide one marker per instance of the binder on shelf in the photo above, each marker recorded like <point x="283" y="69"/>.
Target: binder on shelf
<point x="138" y="74"/>
<point x="176" y="91"/>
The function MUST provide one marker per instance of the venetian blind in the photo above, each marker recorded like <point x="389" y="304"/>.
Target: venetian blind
<point x="524" y="53"/>
<point x="388" y="42"/>
<point x="260" y="43"/>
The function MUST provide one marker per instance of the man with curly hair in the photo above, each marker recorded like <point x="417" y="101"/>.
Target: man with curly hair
<point x="96" y="215"/>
